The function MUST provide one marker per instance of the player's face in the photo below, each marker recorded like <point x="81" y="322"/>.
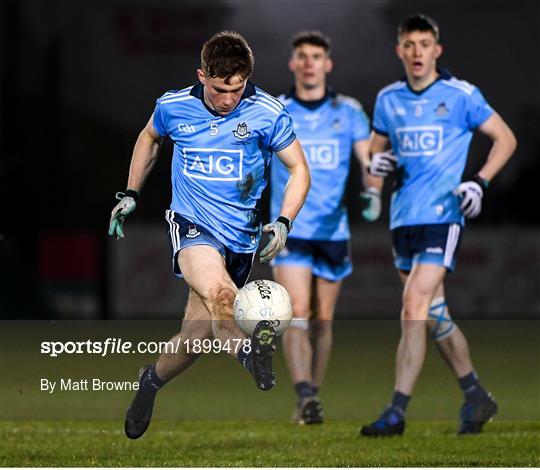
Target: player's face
<point x="419" y="51"/>
<point x="220" y="96"/>
<point x="310" y="64"/>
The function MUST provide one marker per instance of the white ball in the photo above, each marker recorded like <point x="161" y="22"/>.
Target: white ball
<point x="262" y="300"/>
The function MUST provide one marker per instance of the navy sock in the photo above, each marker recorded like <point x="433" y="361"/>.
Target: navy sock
<point x="151" y="383"/>
<point x="314" y="389"/>
<point x="400" y="401"/>
<point x="472" y="389"/>
<point x="245" y="359"/>
<point x="303" y="389"/>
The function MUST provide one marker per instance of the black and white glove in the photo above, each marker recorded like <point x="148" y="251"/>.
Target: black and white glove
<point x="382" y="164"/>
<point x="278" y="232"/>
<point x="125" y="207"/>
<point x="471" y="193"/>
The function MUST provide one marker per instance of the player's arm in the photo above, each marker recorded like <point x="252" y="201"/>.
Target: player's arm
<point x="143" y="159"/>
<point x="372" y="184"/>
<point x="504" y="145"/>
<point x="293" y="198"/>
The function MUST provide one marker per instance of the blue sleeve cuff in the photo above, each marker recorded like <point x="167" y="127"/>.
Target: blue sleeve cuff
<point x="286" y="143"/>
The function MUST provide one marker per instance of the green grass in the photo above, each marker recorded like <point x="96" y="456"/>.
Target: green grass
<point x="214" y="416"/>
<point x="260" y="444"/>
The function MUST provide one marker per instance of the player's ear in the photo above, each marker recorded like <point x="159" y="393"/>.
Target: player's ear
<point x="201" y="76"/>
<point x="329" y="65"/>
<point x="438" y="50"/>
<point x="398" y="51"/>
<point x="291" y="65"/>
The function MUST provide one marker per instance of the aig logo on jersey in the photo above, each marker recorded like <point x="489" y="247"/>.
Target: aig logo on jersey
<point x="419" y="141"/>
<point x="321" y="154"/>
<point x="213" y="164"/>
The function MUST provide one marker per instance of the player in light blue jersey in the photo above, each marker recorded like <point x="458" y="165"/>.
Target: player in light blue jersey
<point x="316" y="258"/>
<point x="225" y="131"/>
<point x="428" y="119"/>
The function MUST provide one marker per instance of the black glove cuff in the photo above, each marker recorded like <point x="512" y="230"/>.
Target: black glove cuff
<point x="484" y="183"/>
<point x="132" y="193"/>
<point x="285" y="222"/>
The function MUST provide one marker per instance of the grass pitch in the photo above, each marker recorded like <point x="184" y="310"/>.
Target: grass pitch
<point x="214" y="416"/>
<point x="262" y="444"/>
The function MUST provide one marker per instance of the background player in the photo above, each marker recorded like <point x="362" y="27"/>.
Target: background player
<point x="225" y="131"/>
<point x="317" y="258"/>
<point x="429" y="119"/>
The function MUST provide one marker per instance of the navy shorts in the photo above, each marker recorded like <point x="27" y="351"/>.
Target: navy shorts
<point x="184" y="233"/>
<point x="327" y="259"/>
<point x="426" y="244"/>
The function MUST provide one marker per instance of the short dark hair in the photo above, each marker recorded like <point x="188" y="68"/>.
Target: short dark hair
<point x="225" y="55"/>
<point x="315" y="38"/>
<point x="419" y="22"/>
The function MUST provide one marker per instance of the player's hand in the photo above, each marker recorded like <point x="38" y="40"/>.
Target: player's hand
<point x="277" y="232"/>
<point x="471" y="194"/>
<point x="125" y="207"/>
<point x="382" y="164"/>
<point x="372" y="199"/>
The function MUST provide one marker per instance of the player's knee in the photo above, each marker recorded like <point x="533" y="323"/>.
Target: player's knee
<point x="321" y="325"/>
<point x="222" y="298"/>
<point x="414" y="307"/>
<point x="440" y="324"/>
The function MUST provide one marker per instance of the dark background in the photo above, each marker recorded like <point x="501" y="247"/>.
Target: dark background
<point x="79" y="80"/>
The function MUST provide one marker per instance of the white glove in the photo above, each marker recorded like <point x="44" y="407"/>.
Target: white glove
<point x="278" y="237"/>
<point x="125" y="207"/>
<point x="471" y="194"/>
<point x="372" y="198"/>
<point x="382" y="164"/>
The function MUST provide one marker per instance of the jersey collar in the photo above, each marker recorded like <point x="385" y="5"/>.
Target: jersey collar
<point x="198" y="92"/>
<point x="444" y="74"/>
<point x="329" y="94"/>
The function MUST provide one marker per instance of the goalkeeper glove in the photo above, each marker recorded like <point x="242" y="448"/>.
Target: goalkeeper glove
<point x="372" y="200"/>
<point x="382" y="164"/>
<point x="471" y="193"/>
<point x="125" y="207"/>
<point x="278" y="232"/>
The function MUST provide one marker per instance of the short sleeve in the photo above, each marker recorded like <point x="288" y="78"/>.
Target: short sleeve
<point x="379" y="118"/>
<point x="158" y="121"/>
<point x="282" y="135"/>
<point x="360" y="125"/>
<point x="478" y="109"/>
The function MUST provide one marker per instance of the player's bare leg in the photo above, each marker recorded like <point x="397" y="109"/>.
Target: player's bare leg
<point x="196" y="325"/>
<point x="479" y="406"/>
<point x="296" y="341"/>
<point x="420" y="288"/>
<point x="204" y="270"/>
<point x="326" y="295"/>
<point x="324" y="300"/>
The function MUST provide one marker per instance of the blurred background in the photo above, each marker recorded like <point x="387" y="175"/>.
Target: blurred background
<point x="80" y="79"/>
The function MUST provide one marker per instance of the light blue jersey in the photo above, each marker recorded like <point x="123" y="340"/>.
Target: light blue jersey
<point x="327" y="131"/>
<point x="430" y="132"/>
<point x="220" y="163"/>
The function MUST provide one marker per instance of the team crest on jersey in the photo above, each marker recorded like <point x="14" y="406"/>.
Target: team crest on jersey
<point x="241" y="131"/>
<point x="192" y="232"/>
<point x="336" y="125"/>
<point x="442" y="110"/>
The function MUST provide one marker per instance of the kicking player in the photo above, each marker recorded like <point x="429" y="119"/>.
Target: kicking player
<point x="428" y="119"/>
<point x="225" y="131"/>
<point x="317" y="259"/>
